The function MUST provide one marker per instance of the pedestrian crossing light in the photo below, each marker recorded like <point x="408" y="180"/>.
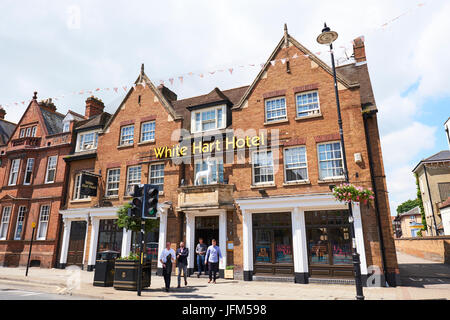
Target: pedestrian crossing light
<point x="136" y="202"/>
<point x="151" y="194"/>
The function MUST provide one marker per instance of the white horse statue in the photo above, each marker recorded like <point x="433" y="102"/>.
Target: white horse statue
<point x="205" y="173"/>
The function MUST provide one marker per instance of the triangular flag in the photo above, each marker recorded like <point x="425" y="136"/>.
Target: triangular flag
<point x="115" y="89"/>
<point x="125" y="88"/>
<point x="23" y="102"/>
<point x="98" y="89"/>
<point x="231" y="70"/>
<point x="318" y="53"/>
<point x="81" y="92"/>
<point x="283" y="61"/>
<point x="171" y="81"/>
<point x="107" y="89"/>
<point x="273" y="62"/>
<point x="262" y="65"/>
<point x="251" y="65"/>
<point x="212" y="72"/>
<point x="191" y="73"/>
<point x="181" y="79"/>
<point x="161" y="82"/>
<point x="201" y="75"/>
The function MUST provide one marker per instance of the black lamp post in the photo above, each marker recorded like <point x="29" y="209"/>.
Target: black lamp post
<point x="327" y="37"/>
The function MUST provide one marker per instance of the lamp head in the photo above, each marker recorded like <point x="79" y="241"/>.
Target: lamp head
<point x="327" y="36"/>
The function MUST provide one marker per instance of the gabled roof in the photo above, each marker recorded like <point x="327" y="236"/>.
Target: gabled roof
<point x="288" y="39"/>
<point x="98" y="120"/>
<point x="442" y="156"/>
<point x="6" y="130"/>
<point x="164" y="101"/>
<point x="53" y="121"/>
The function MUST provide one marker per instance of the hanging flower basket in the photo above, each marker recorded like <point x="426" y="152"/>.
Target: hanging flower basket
<point x="348" y="193"/>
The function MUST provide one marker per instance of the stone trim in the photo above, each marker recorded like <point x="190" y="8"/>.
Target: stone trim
<point x="305" y="88"/>
<point x="274" y="94"/>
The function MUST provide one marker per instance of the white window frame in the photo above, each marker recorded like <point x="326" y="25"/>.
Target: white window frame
<point x="5" y="221"/>
<point x="108" y="189"/>
<point x="253" y="169"/>
<point x="218" y="124"/>
<point x="275" y="119"/>
<point x="311" y="111"/>
<point x="148" y="132"/>
<point x="81" y="146"/>
<point x="29" y="170"/>
<point x="299" y="165"/>
<point x="20" y="221"/>
<point x="33" y="131"/>
<point x="135" y="181"/>
<point x="151" y="180"/>
<point x="218" y="162"/>
<point x="28" y="132"/>
<point x="321" y="178"/>
<point x="127" y="141"/>
<point x="14" y="172"/>
<point x="22" y="133"/>
<point x="66" y="126"/>
<point x="77" y="188"/>
<point x="44" y="217"/>
<point x="51" y="168"/>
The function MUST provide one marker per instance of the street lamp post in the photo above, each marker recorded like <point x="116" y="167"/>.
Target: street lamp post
<point x="327" y="37"/>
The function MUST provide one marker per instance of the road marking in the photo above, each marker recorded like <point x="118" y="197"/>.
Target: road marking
<point x="31" y="294"/>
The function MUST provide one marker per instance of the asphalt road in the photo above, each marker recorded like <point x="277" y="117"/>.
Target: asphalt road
<point x="19" y="292"/>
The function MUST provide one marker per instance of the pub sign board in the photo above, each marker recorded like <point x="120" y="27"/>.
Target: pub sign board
<point x="89" y="185"/>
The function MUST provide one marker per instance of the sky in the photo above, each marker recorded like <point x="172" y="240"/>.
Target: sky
<point x="59" y="48"/>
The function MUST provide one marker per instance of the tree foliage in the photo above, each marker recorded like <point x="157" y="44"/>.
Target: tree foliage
<point x="134" y="223"/>
<point x="407" y="205"/>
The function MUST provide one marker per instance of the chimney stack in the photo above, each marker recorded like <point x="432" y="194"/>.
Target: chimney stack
<point x="94" y="106"/>
<point x="2" y="113"/>
<point x="48" y="104"/>
<point x="359" y="49"/>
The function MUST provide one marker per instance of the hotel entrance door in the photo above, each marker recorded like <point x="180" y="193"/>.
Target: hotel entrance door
<point x="208" y="229"/>
<point x="272" y="234"/>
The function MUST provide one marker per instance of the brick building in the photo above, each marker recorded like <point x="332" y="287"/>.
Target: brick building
<point x="33" y="176"/>
<point x="251" y="167"/>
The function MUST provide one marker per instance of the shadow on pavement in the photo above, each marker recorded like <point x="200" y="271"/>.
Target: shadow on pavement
<point x="419" y="275"/>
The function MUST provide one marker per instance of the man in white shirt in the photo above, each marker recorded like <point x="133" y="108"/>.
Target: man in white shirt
<point x="167" y="257"/>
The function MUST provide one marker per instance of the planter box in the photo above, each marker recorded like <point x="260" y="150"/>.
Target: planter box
<point x="229" y="274"/>
<point x="126" y="275"/>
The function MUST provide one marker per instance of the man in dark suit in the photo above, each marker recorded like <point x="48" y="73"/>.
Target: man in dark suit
<point x="182" y="254"/>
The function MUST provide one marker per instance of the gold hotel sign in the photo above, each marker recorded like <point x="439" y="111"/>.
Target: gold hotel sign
<point x="230" y="143"/>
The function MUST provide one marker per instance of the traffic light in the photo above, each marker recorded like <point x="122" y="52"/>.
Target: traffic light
<point x="151" y="194"/>
<point x="136" y="202"/>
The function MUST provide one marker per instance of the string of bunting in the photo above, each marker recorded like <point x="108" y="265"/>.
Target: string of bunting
<point x="180" y="78"/>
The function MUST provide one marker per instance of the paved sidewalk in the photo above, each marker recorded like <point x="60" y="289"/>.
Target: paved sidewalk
<point x="58" y="281"/>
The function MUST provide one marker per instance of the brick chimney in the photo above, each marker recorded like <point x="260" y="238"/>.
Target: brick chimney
<point x="94" y="106"/>
<point x="2" y="113"/>
<point x="359" y="49"/>
<point x="48" y="104"/>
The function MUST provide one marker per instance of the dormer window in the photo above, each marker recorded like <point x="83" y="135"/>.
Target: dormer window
<point x="66" y="126"/>
<point x="87" y="141"/>
<point x="208" y="119"/>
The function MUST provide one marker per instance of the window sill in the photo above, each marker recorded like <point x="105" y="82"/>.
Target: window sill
<point x="146" y="142"/>
<point x="262" y="186"/>
<point x="125" y="146"/>
<point x="276" y="122"/>
<point x="296" y="183"/>
<point x="80" y="201"/>
<point x="111" y="197"/>
<point x="337" y="179"/>
<point x="309" y="117"/>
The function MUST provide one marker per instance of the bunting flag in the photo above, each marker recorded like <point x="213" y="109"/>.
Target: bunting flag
<point x="231" y="69"/>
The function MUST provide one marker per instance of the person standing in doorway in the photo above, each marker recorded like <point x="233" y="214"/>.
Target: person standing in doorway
<point x="167" y="257"/>
<point x="182" y="254"/>
<point x="213" y="255"/>
<point x="201" y="252"/>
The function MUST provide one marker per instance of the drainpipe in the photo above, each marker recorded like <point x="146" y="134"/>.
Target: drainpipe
<point x="366" y="116"/>
<point x="429" y="196"/>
